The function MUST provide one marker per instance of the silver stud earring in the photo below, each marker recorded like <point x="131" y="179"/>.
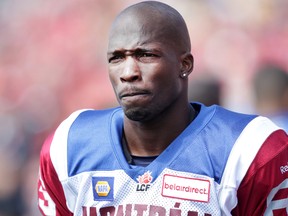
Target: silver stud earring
<point x="183" y="75"/>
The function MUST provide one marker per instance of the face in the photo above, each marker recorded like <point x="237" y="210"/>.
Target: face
<point x="144" y="70"/>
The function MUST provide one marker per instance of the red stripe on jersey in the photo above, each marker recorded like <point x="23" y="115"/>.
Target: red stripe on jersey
<point x="280" y="212"/>
<point x="51" y="181"/>
<point x="263" y="175"/>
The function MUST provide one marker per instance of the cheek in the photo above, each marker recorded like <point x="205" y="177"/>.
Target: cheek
<point x="167" y="77"/>
<point x="162" y="70"/>
<point x="170" y="81"/>
<point x="166" y="86"/>
<point x="113" y="80"/>
<point x="112" y="76"/>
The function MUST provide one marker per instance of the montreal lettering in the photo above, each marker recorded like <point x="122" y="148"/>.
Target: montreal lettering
<point x="139" y="210"/>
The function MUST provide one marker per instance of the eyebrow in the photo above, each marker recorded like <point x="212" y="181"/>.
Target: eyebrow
<point x="137" y="50"/>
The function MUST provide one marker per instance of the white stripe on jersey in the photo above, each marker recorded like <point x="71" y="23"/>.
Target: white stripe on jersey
<point x="58" y="149"/>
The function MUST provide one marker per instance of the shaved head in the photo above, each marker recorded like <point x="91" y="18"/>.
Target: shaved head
<point x="149" y="60"/>
<point x="158" y="19"/>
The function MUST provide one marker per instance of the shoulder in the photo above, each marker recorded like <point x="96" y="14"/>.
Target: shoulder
<point x="93" y="118"/>
<point x="91" y="114"/>
<point x="73" y="131"/>
<point x="226" y="115"/>
<point x="266" y="176"/>
<point x="223" y="124"/>
<point x="219" y="114"/>
<point x="239" y="124"/>
<point x="85" y="118"/>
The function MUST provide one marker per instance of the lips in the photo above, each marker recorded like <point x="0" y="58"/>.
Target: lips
<point x="132" y="92"/>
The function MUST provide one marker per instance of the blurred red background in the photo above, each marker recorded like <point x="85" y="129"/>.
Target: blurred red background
<point x="53" y="62"/>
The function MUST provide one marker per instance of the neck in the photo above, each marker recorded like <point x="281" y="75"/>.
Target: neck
<point x="150" y="139"/>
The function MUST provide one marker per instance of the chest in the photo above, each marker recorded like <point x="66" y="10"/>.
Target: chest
<point x="116" y="193"/>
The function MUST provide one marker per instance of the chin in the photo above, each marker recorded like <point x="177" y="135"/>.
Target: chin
<point x="137" y="114"/>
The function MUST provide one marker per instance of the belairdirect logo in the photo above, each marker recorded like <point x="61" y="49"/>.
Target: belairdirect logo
<point x="103" y="188"/>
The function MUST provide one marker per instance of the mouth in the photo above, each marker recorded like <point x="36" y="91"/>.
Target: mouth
<point x="133" y="93"/>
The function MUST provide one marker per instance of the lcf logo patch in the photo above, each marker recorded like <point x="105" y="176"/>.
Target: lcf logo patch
<point x="144" y="181"/>
<point x="103" y="188"/>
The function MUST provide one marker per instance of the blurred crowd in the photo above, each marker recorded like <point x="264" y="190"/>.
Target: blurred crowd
<point x="53" y="62"/>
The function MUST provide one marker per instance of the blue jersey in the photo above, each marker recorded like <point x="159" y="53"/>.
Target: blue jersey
<point x="211" y="168"/>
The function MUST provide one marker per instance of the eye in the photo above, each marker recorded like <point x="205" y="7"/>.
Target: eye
<point x="145" y="56"/>
<point x="116" y="58"/>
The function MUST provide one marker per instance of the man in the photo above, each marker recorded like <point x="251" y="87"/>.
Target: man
<point x="157" y="154"/>
<point x="270" y="85"/>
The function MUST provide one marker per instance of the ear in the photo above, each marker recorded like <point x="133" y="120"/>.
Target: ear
<point x="187" y="64"/>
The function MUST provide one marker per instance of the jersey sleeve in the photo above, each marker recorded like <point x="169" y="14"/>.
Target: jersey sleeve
<point x="264" y="189"/>
<point x="51" y="198"/>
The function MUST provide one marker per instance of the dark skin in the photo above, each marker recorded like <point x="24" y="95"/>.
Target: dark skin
<point x="149" y="66"/>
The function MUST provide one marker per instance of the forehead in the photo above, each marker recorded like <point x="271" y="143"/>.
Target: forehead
<point x="132" y="30"/>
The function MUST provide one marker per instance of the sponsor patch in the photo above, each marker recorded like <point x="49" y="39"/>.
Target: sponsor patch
<point x="103" y="188"/>
<point x="194" y="189"/>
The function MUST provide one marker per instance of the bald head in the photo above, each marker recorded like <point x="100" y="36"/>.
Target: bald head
<point x="156" y="19"/>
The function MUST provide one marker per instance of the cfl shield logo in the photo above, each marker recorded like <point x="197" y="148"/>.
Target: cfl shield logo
<point x="144" y="181"/>
<point x="103" y="188"/>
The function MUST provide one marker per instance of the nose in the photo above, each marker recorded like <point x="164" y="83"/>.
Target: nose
<point x="131" y="71"/>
